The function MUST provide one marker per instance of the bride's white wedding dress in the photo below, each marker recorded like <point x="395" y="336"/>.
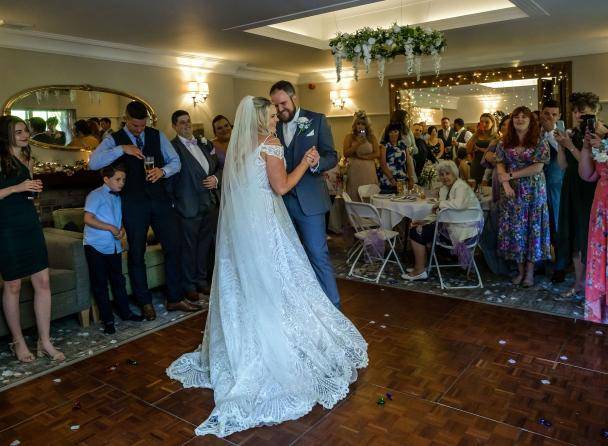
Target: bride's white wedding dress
<point x="274" y="345"/>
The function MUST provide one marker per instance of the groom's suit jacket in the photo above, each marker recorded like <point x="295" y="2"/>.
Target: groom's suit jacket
<point x="190" y="198"/>
<point x="311" y="191"/>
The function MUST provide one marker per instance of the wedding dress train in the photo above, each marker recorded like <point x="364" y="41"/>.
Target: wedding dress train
<point x="274" y="345"/>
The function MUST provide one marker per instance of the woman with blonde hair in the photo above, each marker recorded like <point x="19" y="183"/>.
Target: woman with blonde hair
<point x="362" y="150"/>
<point x="479" y="143"/>
<point x="274" y="344"/>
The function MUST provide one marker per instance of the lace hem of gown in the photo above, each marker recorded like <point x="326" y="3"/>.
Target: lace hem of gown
<point x="242" y="414"/>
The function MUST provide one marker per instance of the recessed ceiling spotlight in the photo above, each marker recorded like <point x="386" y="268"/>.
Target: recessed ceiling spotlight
<point x="15" y="25"/>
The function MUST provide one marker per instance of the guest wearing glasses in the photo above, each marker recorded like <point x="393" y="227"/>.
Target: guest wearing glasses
<point x="454" y="194"/>
<point x="523" y="217"/>
<point x="22" y="246"/>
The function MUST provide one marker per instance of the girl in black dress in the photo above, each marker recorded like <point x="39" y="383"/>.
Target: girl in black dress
<point x="22" y="246"/>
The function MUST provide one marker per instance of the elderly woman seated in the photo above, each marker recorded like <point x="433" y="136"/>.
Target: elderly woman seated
<point x="454" y="194"/>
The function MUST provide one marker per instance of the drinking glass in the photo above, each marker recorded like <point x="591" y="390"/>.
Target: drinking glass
<point x="148" y="163"/>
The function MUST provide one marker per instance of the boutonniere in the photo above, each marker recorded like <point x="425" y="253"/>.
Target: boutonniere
<point x="203" y="140"/>
<point x="303" y="124"/>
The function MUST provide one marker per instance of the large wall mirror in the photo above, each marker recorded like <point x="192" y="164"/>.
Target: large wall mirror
<point x="468" y="94"/>
<point x="55" y="114"/>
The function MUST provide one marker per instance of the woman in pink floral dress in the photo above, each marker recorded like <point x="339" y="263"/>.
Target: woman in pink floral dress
<point x="593" y="167"/>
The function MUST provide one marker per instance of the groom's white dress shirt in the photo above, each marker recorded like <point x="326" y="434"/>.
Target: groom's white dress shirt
<point x="290" y="128"/>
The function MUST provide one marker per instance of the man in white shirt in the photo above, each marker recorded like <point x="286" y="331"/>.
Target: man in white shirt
<point x="195" y="196"/>
<point x="462" y="135"/>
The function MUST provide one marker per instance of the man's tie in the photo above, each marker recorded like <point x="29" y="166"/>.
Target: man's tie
<point x="139" y="142"/>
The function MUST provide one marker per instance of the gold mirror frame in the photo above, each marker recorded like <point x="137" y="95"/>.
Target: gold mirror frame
<point x="8" y="105"/>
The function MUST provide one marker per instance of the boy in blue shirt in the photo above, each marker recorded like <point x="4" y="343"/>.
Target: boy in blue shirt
<point x="103" y="232"/>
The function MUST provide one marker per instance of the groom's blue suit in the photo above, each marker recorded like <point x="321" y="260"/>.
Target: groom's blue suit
<point x="308" y="202"/>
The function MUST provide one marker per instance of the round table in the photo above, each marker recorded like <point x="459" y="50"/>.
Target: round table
<point x="393" y="211"/>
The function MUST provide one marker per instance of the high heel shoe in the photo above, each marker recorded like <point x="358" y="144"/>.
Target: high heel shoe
<point x="29" y="357"/>
<point x="57" y="357"/>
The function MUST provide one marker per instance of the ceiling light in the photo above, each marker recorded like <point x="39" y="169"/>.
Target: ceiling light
<point x="511" y="83"/>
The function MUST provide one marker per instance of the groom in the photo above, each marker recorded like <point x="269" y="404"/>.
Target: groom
<point x="308" y="202"/>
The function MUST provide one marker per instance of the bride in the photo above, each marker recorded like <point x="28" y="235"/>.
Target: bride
<point x="274" y="345"/>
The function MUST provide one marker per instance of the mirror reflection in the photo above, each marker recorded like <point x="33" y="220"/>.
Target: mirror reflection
<point x="71" y="117"/>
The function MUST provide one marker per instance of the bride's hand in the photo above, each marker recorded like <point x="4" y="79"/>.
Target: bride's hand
<point x="311" y="157"/>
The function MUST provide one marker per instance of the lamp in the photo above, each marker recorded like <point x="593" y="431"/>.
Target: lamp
<point x="199" y="92"/>
<point x="338" y="98"/>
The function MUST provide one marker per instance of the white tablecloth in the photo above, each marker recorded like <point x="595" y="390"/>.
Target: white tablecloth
<point x="392" y="212"/>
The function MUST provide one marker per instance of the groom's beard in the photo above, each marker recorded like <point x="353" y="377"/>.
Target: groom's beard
<point x="287" y="115"/>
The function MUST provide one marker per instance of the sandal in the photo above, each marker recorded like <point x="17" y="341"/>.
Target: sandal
<point x="57" y="357"/>
<point x="27" y="358"/>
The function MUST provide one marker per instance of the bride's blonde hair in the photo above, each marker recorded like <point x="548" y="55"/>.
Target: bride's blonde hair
<point x="261" y="107"/>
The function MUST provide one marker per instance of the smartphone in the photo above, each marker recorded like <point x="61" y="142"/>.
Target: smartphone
<point x="559" y="125"/>
<point x="587" y="123"/>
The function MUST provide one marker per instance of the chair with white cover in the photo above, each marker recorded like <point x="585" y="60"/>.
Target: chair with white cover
<point x="472" y="219"/>
<point x="367" y="191"/>
<point x="358" y="244"/>
<point x="360" y="214"/>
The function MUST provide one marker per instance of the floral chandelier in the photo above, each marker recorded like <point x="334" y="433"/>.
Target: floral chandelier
<point x="384" y="45"/>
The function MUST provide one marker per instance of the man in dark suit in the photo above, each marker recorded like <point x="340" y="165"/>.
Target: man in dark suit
<point x="146" y="201"/>
<point x="194" y="190"/>
<point x="308" y="201"/>
<point x="446" y="133"/>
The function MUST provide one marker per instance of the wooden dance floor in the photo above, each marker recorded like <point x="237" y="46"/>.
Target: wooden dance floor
<point x="450" y="372"/>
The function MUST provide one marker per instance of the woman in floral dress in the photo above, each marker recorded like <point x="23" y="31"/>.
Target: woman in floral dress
<point x="396" y="163"/>
<point x="523" y="216"/>
<point x="592" y="167"/>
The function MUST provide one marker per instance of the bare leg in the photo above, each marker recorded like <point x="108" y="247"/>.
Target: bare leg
<point x="42" y="307"/>
<point x="419" y="258"/>
<point x="520" y="276"/>
<point x="529" y="280"/>
<point x="10" y="305"/>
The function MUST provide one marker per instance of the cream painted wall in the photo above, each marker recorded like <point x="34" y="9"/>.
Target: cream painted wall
<point x="363" y="95"/>
<point x="164" y="88"/>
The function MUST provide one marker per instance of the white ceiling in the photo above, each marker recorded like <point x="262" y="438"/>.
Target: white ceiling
<point x="317" y="30"/>
<point x="214" y="30"/>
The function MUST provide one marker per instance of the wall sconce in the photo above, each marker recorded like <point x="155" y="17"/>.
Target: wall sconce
<point x="338" y="98"/>
<point x="199" y="92"/>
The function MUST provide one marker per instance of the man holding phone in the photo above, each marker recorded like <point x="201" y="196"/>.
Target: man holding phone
<point x="550" y="116"/>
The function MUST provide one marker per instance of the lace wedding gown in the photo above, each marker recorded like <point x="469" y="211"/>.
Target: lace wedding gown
<point x="274" y="345"/>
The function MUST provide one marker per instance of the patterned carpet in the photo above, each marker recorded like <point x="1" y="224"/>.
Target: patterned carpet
<point x="80" y="343"/>
<point x="544" y="297"/>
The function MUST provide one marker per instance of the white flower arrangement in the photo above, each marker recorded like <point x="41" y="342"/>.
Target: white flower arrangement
<point x="303" y="124"/>
<point x="384" y="45"/>
<point x="600" y="154"/>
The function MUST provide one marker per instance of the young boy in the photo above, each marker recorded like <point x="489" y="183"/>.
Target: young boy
<point x="102" y="247"/>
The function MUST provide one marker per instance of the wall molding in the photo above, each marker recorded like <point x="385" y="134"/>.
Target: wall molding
<point x="117" y="52"/>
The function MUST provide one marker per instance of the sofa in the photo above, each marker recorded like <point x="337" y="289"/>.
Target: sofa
<point x="69" y="280"/>
<point x="70" y="223"/>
